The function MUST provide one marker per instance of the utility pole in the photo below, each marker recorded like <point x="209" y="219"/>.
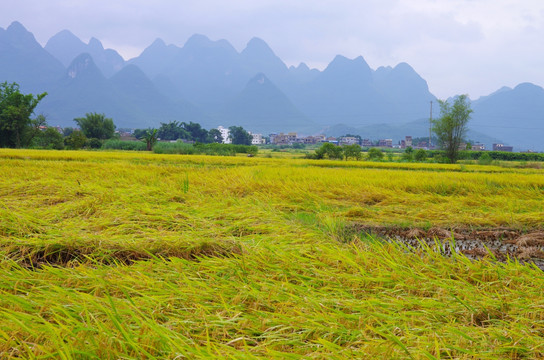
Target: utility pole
<point x="430" y="125"/>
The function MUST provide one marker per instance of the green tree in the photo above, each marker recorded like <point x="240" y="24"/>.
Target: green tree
<point x="173" y="131"/>
<point x="352" y="151"/>
<point x="329" y="150"/>
<point x="485" y="159"/>
<point x="67" y="131"/>
<point x="139" y="133"/>
<point x="197" y="133"/>
<point x="375" y="154"/>
<point x="451" y="127"/>
<point x="239" y="136"/>
<point x="214" y="136"/>
<point x="96" y="126"/>
<point x="150" y="139"/>
<point x="16" y="127"/>
<point x="49" y="138"/>
<point x="408" y="154"/>
<point x="76" y="140"/>
<point x="420" y="155"/>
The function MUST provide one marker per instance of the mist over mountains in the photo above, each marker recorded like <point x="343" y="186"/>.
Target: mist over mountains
<point x="210" y="82"/>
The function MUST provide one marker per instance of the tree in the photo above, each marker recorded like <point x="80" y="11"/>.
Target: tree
<point x="239" y="136"/>
<point x="76" y="140"/>
<point x="96" y="126"/>
<point x="330" y="150"/>
<point x="150" y="139"/>
<point x="67" y="131"/>
<point x="451" y="127"/>
<point x="420" y="155"/>
<point x="139" y="133"/>
<point x="353" y="151"/>
<point x="49" y="138"/>
<point x="408" y="154"/>
<point x="197" y="133"/>
<point x="375" y="154"/>
<point x="214" y="136"/>
<point x="16" y="127"/>
<point x="173" y="131"/>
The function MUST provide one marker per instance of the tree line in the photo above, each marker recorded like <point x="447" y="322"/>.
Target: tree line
<point x="19" y="130"/>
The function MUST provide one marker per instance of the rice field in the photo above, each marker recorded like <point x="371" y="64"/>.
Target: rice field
<point x="123" y="255"/>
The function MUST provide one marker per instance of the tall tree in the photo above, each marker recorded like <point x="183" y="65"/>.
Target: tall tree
<point x="150" y="139"/>
<point x="239" y="136"/>
<point x="197" y="132"/>
<point x="451" y="127"/>
<point x="173" y="131"/>
<point x="214" y="136"/>
<point x="16" y="127"/>
<point x="96" y="126"/>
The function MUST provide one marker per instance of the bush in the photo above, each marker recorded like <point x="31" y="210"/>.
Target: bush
<point x="485" y="159"/>
<point x="50" y="138"/>
<point x="76" y="140"/>
<point x="375" y="154"/>
<point x="114" y="144"/>
<point x="207" y="149"/>
<point x="420" y="155"/>
<point x="94" y="143"/>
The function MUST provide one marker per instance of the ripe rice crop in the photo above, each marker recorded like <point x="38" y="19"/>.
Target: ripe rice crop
<point x="140" y="255"/>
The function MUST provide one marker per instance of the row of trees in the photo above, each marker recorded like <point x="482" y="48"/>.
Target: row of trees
<point x="17" y="129"/>
<point x="191" y="131"/>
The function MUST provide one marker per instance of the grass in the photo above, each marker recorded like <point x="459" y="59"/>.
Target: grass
<point x="137" y="255"/>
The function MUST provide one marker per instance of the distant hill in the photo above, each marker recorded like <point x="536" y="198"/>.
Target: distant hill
<point x="514" y="115"/>
<point x="210" y="82"/>
<point x="65" y="46"/>
<point x="262" y="105"/>
<point x="24" y="61"/>
<point x="129" y="97"/>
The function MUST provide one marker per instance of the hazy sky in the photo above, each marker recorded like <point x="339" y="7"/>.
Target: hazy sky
<point x="458" y="46"/>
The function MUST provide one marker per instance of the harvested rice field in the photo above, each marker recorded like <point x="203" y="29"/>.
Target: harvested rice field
<point x="125" y="255"/>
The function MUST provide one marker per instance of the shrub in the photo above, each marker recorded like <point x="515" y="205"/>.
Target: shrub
<point x="420" y="155"/>
<point x="114" y="144"/>
<point x="485" y="159"/>
<point x="94" y="143"/>
<point x="76" y="140"/>
<point x="375" y="154"/>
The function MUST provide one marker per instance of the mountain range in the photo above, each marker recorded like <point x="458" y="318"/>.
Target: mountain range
<point x="210" y="82"/>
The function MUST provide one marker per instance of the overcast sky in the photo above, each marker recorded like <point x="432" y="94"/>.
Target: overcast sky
<point x="458" y="46"/>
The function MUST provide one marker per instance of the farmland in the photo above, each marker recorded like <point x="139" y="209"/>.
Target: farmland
<point x="131" y="255"/>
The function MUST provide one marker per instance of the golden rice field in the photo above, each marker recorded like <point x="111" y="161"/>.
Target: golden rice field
<point x="117" y="255"/>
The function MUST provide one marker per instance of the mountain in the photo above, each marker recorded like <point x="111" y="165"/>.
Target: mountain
<point x="343" y="92"/>
<point x="212" y="74"/>
<point x="263" y="107"/>
<point x="210" y="82"/>
<point x="349" y="91"/>
<point x="148" y="104"/>
<point x="65" y="46"/>
<point x="23" y="60"/>
<point x="129" y="97"/>
<point x="514" y="115"/>
<point x="83" y="89"/>
<point x="258" y="57"/>
<point x="207" y="73"/>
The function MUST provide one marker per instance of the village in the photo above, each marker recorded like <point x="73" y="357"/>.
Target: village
<point x="292" y="138"/>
